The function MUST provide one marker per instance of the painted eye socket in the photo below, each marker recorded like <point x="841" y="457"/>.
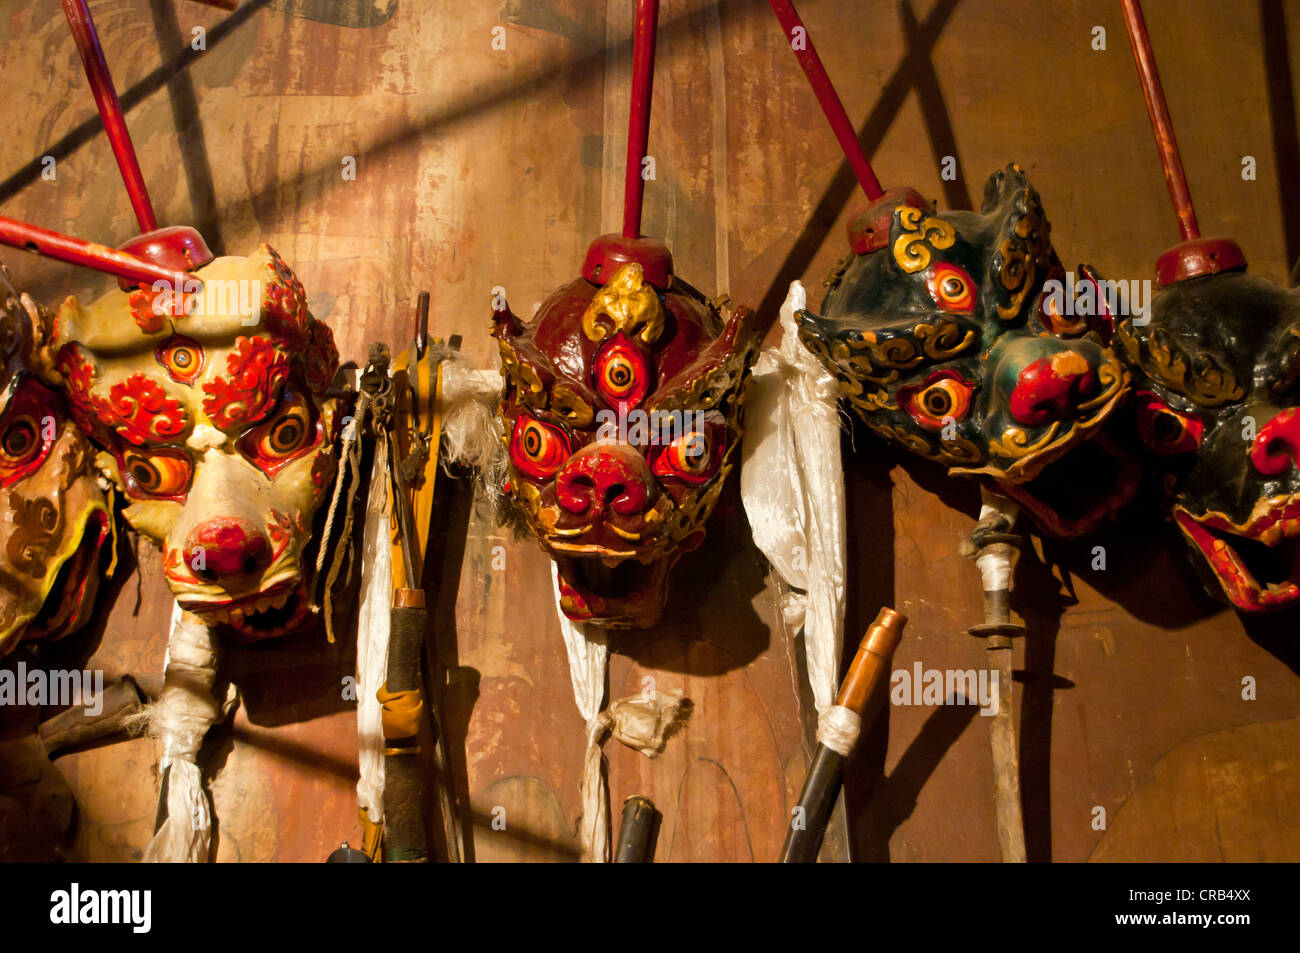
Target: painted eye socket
<point x="1164" y="430"/>
<point x="944" y="395"/>
<point x="24" y="442"/>
<point x="273" y="445"/>
<point x="691" y="457"/>
<point x="158" y="474"/>
<point x="20" y="440"/>
<point x="538" y="450"/>
<point x="181" y="357"/>
<point x="951" y="288"/>
<point x="622" y="374"/>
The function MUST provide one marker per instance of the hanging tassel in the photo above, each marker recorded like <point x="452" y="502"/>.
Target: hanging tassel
<point x="180" y="718"/>
<point x="643" y="722"/>
<point x="792" y="488"/>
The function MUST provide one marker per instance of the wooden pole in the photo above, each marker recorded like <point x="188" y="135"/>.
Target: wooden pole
<point x="638" y="122"/>
<point x="124" y="265"/>
<point x="796" y="34"/>
<point x="110" y="110"/>
<point x="1161" y="124"/>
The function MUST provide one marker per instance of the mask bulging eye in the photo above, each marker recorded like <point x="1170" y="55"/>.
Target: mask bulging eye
<point x="164" y="474"/>
<point x="691" y="457"/>
<point x="274" y="444"/>
<point x="181" y="357"/>
<point x="951" y="288"/>
<point x="538" y="450"/>
<point x="1164" y="430"/>
<point x="622" y="374"/>
<point x="944" y="396"/>
<point x="20" y="440"/>
<point x="28" y="429"/>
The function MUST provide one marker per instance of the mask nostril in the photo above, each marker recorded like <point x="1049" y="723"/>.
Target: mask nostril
<point x="614" y="491"/>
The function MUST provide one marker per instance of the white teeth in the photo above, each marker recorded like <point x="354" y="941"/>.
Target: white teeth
<point x="279" y="601"/>
<point x="222" y="616"/>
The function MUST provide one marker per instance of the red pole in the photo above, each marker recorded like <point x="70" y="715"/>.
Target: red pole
<point x="796" y="34"/>
<point x="638" y="121"/>
<point x="75" y="251"/>
<point x="1161" y="124"/>
<point x="110" y="110"/>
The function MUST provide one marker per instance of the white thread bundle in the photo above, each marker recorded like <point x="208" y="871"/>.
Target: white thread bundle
<point x="180" y="718"/>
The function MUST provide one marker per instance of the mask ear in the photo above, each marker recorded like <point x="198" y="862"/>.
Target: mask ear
<point x="505" y="323"/>
<point x="1022" y="248"/>
<point x="17" y="333"/>
<point x="716" y="380"/>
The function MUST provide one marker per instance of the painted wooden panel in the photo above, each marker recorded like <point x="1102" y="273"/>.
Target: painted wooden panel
<point x="478" y="168"/>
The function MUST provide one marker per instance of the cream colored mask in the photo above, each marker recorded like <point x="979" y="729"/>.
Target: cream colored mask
<point x="210" y="405"/>
<point x="54" y="518"/>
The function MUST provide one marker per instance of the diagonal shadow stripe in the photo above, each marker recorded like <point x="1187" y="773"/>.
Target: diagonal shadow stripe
<point x="892" y="95"/>
<point x="146" y="87"/>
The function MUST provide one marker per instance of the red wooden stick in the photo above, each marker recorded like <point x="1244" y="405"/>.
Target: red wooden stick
<point x="75" y="251"/>
<point x="110" y="110"/>
<point x="638" y="121"/>
<point x="1161" y="124"/>
<point x="796" y="34"/>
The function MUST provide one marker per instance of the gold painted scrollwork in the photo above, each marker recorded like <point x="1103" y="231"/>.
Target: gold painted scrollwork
<point x="920" y="237"/>
<point x="1198" y="377"/>
<point x="943" y="340"/>
<point x="1023" y="251"/>
<point x="628" y="304"/>
<point x="1014" y="442"/>
<point x="570" y="406"/>
<point x="518" y="372"/>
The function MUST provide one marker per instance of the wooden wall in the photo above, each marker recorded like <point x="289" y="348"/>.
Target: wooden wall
<point x="479" y="167"/>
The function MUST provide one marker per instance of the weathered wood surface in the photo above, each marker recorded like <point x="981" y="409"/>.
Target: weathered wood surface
<point x="477" y="168"/>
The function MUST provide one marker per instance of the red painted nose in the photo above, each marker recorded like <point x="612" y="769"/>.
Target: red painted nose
<point x="1277" y="444"/>
<point x="226" y="548"/>
<point x="1050" y="387"/>
<point x="604" y="476"/>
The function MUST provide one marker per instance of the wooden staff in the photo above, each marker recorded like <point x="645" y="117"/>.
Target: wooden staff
<point x="822" y="785"/>
<point x="110" y="109"/>
<point x="76" y="251"/>
<point x="638" y="120"/>
<point x="801" y="43"/>
<point x="868" y="228"/>
<point x="1163" y="127"/>
<point x="179" y="246"/>
<point x="1194" y="256"/>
